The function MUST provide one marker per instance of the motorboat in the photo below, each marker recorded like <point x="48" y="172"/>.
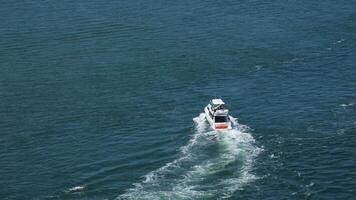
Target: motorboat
<point x="217" y="115"/>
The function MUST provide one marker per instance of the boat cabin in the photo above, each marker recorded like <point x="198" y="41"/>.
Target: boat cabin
<point x="219" y="112"/>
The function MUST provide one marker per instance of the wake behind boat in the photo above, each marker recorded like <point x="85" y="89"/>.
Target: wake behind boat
<point x="217" y="115"/>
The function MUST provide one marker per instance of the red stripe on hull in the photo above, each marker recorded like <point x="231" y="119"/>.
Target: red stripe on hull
<point x="221" y="126"/>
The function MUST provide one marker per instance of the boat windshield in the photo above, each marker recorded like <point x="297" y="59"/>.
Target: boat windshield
<point x="219" y="107"/>
<point x="220" y="119"/>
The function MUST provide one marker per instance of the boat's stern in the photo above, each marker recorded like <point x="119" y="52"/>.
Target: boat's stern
<point x="222" y="126"/>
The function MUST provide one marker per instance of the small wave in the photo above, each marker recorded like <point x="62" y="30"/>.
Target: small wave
<point x="339" y="41"/>
<point x="297" y="59"/>
<point x="347" y="105"/>
<point x="76" y="188"/>
<point x="211" y="165"/>
<point x="258" y="67"/>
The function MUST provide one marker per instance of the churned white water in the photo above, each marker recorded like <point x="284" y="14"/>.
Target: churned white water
<point x="212" y="165"/>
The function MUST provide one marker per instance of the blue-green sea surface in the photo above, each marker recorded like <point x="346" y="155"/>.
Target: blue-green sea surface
<point x="103" y="99"/>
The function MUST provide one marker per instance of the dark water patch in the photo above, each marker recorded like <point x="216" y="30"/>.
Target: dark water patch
<point x="96" y="95"/>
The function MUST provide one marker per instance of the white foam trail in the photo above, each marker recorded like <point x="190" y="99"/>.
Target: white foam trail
<point x="209" y="167"/>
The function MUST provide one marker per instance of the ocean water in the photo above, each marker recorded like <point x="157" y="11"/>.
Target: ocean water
<point x="103" y="99"/>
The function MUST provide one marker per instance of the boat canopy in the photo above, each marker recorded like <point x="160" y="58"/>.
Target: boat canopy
<point x="217" y="104"/>
<point x="217" y="101"/>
